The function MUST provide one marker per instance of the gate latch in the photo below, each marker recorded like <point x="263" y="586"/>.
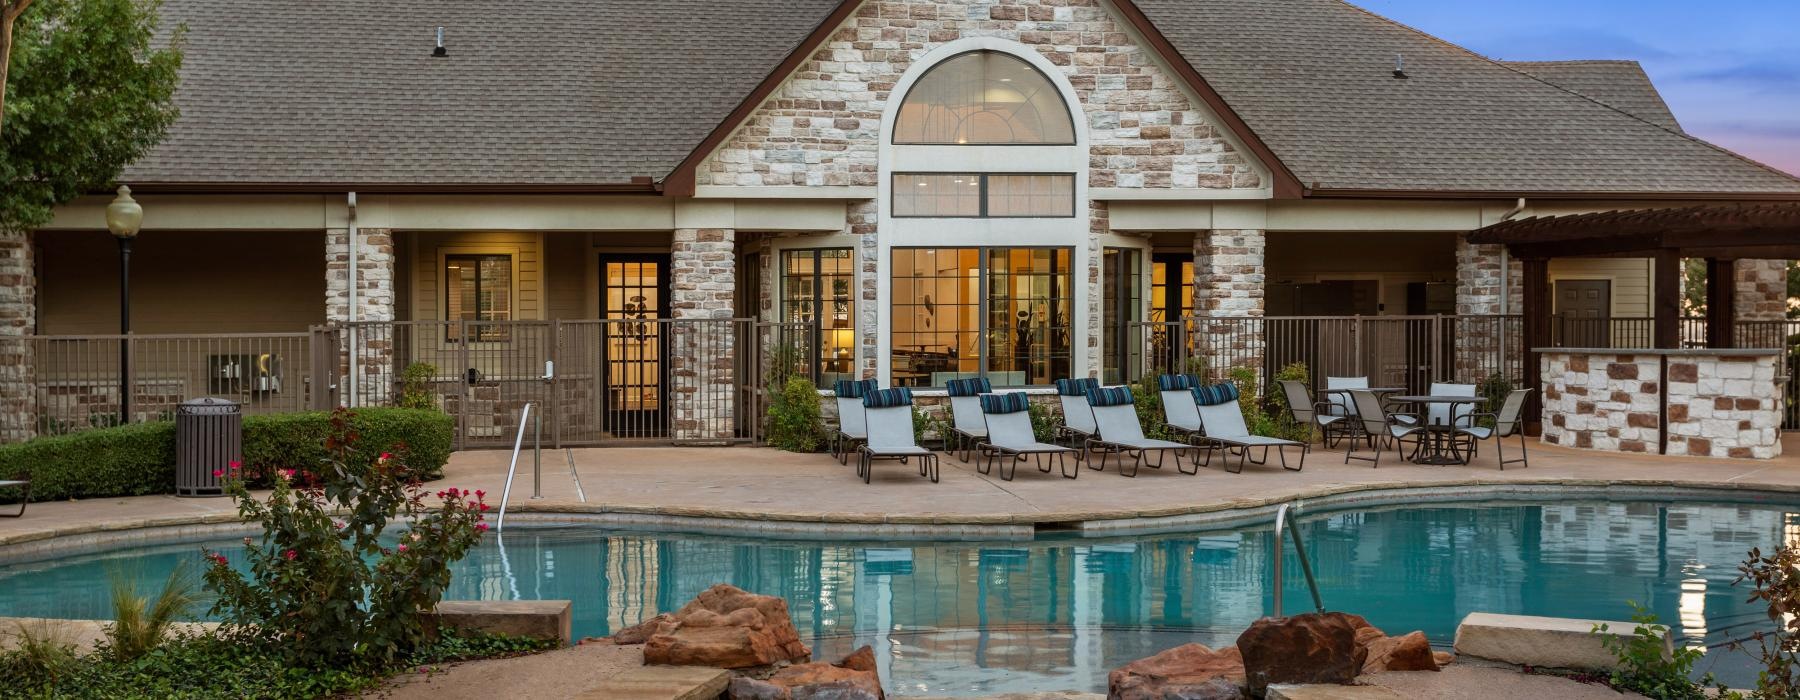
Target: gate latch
<point x="549" y="370"/>
<point x="473" y="376"/>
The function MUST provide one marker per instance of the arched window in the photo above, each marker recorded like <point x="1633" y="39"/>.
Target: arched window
<point x="984" y="97"/>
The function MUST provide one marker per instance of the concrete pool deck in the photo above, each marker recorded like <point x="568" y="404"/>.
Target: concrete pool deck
<point x="760" y="490"/>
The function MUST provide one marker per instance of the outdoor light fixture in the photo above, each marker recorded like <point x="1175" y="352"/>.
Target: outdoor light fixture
<point x="124" y="216"/>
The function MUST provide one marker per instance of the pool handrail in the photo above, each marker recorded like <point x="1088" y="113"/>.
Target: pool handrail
<point x="512" y="466"/>
<point x="1281" y="523"/>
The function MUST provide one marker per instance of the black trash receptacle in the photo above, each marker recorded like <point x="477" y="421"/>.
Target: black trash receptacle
<point x="209" y="436"/>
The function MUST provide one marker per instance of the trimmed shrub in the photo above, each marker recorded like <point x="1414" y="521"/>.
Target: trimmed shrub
<point x="297" y="440"/>
<point x="795" y="424"/>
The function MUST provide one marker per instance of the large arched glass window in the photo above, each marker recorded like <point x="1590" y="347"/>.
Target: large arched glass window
<point x="984" y="97"/>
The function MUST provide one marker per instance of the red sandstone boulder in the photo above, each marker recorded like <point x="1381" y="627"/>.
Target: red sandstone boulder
<point x="725" y="627"/>
<point x="638" y="633"/>
<point x="1187" y="672"/>
<point x="1307" y="648"/>
<point x="1408" y="652"/>
<point x="852" y="678"/>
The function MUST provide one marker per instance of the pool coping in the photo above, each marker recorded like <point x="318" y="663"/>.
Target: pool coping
<point x="36" y="545"/>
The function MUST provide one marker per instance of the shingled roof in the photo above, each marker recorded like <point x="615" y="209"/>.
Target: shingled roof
<point x="1622" y="85"/>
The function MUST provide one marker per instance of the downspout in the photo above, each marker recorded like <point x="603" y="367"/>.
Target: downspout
<point x="1506" y="292"/>
<point x="350" y="297"/>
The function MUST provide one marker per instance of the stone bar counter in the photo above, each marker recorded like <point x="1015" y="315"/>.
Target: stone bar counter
<point x="1707" y="403"/>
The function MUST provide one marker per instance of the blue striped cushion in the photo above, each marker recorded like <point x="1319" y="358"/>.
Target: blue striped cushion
<point x="1010" y="402"/>
<point x="1215" y="394"/>
<point x="1177" y="382"/>
<point x="968" y="387"/>
<point x="1076" y="387"/>
<point x="1109" y="396"/>
<point x="854" y="389"/>
<point x="887" y="398"/>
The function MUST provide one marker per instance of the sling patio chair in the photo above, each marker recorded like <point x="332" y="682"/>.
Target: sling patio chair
<point x="23" y="483"/>
<point x="967" y="428"/>
<point x="1443" y="415"/>
<point x="891" y="434"/>
<point x="1010" y="439"/>
<point x="1117" y="430"/>
<point x="1180" y="415"/>
<point x="1222" y="428"/>
<point x="1317" y="416"/>
<point x="852" y="426"/>
<point x="1383" y="427"/>
<point x="1078" y="417"/>
<point x="1506" y="424"/>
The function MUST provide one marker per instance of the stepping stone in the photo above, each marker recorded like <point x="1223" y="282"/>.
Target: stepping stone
<point x="1331" y="692"/>
<point x="662" y="683"/>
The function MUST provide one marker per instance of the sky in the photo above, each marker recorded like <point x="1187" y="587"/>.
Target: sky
<point x="1730" y="69"/>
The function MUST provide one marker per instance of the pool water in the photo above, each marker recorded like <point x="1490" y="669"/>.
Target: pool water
<point x="1058" y="612"/>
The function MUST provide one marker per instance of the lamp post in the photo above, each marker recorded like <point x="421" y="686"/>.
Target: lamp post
<point x="123" y="217"/>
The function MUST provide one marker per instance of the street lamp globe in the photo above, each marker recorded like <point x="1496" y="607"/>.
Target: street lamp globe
<point x="124" y="216"/>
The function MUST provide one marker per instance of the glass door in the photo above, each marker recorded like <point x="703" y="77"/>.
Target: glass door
<point x="633" y="295"/>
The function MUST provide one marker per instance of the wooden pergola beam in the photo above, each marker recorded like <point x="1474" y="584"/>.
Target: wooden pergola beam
<point x="1721" y="303"/>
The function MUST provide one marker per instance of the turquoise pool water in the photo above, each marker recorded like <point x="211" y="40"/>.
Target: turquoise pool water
<point x="1059" y="612"/>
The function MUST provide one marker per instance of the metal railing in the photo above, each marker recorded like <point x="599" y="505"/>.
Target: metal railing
<point x="1283" y="524"/>
<point x="512" y="466"/>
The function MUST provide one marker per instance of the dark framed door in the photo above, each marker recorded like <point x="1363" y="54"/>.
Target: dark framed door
<point x="1584" y="313"/>
<point x="634" y="343"/>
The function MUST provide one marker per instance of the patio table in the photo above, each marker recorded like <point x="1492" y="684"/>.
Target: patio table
<point x="1433" y="451"/>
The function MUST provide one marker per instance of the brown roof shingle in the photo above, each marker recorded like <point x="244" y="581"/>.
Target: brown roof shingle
<point x="1622" y="85"/>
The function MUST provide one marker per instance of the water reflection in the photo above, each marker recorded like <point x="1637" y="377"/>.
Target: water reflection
<point x="974" y="618"/>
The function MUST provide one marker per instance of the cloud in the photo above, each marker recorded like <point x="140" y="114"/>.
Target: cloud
<point x="1765" y="74"/>
<point x="1568" y="44"/>
<point x="1764" y="130"/>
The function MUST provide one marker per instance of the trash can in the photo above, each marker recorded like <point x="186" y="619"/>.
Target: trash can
<point x="209" y="436"/>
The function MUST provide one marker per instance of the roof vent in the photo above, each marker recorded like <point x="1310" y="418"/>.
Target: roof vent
<point x="439" y="51"/>
<point x="1399" y="64"/>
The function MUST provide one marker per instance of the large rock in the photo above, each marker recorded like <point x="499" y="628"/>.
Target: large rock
<point x="640" y="632"/>
<point x="854" y="676"/>
<point x="1307" y="648"/>
<point x="1408" y="652"/>
<point x="1186" y="672"/>
<point x="725" y="627"/>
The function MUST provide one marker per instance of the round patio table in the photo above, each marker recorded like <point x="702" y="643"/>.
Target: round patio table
<point x="1433" y="451"/>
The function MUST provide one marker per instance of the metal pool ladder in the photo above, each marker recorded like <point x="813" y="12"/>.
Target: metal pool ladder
<point x="537" y="467"/>
<point x="1282" y="523"/>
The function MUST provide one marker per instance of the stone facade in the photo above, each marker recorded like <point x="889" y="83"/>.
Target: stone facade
<point x="702" y="363"/>
<point x="18" y="318"/>
<point x="822" y="127"/>
<point x="1602" y="402"/>
<point x="1480" y="284"/>
<point x="1228" y="282"/>
<point x="1725" y="406"/>
<point x="861" y="222"/>
<point x="1762" y="290"/>
<point x="374" y="381"/>
<point x="1718" y="406"/>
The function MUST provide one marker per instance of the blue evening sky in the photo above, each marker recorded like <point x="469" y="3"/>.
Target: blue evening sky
<point x="1730" y="69"/>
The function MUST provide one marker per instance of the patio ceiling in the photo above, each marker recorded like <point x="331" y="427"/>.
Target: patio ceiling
<point x="1723" y="232"/>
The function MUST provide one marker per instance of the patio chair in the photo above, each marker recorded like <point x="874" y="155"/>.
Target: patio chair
<point x="1382" y="428"/>
<point x="852" y="426"/>
<point x="1317" y="416"/>
<point x="1222" y="428"/>
<point x="1341" y="403"/>
<point x="967" y="427"/>
<point x="1448" y="415"/>
<point x="1180" y="414"/>
<point x="1078" y="417"/>
<point x="1506" y="424"/>
<point x="23" y="483"/>
<point x="1010" y="438"/>
<point x="1117" y="430"/>
<point x="890" y="425"/>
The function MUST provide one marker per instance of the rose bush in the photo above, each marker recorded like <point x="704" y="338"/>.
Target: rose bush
<point x="325" y="589"/>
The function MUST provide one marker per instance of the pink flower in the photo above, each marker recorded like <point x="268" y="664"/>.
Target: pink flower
<point x="480" y="493"/>
<point x="337" y="524"/>
<point x="385" y="456"/>
<point x="481" y="527"/>
<point x="218" y="473"/>
<point x="236" y="465"/>
<point x="217" y="558"/>
<point x="484" y="507"/>
<point x="291" y="554"/>
<point x="403" y="549"/>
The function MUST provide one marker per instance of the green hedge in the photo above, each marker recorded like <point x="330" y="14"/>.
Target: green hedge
<point x="136" y="460"/>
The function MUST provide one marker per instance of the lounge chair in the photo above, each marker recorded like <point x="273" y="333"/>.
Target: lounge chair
<point x="1010" y="439"/>
<point x="1506" y="424"/>
<point x="1117" y="430"/>
<point x="1382" y="427"/>
<point x="890" y="425"/>
<point x="967" y="428"/>
<point x="852" y="427"/>
<point x="23" y="483"/>
<point x="1078" y="417"/>
<point x="1222" y="428"/>
<point x="1317" y="416"/>
<point x="1179" y="413"/>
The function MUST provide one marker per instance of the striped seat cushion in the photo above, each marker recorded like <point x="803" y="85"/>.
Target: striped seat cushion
<point x="1076" y="387"/>
<point x="1101" y="396"/>
<point x="968" y="387"/>
<point x="854" y="389"/>
<point x="1215" y="394"/>
<point x="1010" y="402"/>
<point x="1177" y="382"/>
<point x="887" y="398"/>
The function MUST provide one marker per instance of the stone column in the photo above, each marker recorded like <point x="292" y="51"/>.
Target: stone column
<point x="371" y="343"/>
<point x="1228" y="284"/>
<point x="18" y="320"/>
<point x="703" y="353"/>
<point x="862" y="222"/>
<point x="1479" y="333"/>
<point x="1762" y="290"/>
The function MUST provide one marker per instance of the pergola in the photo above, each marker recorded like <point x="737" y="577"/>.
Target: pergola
<point x="1721" y="234"/>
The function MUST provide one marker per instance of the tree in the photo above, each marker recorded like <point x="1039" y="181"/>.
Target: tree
<point x="90" y="93"/>
<point x="10" y="11"/>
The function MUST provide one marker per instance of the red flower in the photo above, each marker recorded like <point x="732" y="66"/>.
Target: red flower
<point x="480" y="493"/>
<point x="481" y="527"/>
<point x="291" y="554"/>
<point x="218" y="473"/>
<point x="385" y="456"/>
<point x="236" y="465"/>
<point x="403" y="548"/>
<point x="484" y="507"/>
<point x="337" y="524"/>
<point x="217" y="558"/>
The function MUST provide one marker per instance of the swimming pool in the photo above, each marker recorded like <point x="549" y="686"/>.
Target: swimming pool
<point x="1059" y="611"/>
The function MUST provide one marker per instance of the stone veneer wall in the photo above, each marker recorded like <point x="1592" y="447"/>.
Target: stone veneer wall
<point x="1229" y="278"/>
<point x="702" y="366"/>
<point x="1719" y="406"/>
<point x="18" y="318"/>
<point x="374" y="302"/>
<point x="1762" y="290"/>
<point x="1479" y="285"/>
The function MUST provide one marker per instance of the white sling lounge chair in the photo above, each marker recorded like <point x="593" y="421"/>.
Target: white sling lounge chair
<point x="1010" y="439"/>
<point x="891" y="434"/>
<point x="1179" y="413"/>
<point x="967" y="427"/>
<point x="1222" y="423"/>
<point x="1118" y="431"/>
<point x="1078" y="417"/>
<point x="852" y="426"/>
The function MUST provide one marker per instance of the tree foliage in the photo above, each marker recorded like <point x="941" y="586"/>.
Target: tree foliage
<point x="89" y="90"/>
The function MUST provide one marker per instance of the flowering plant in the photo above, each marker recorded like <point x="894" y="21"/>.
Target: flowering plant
<point x="323" y="589"/>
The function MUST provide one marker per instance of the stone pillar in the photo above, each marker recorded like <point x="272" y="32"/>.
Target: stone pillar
<point x="372" y="340"/>
<point x="1228" y="284"/>
<point x="862" y="222"/>
<point x="18" y="320"/>
<point x="1762" y="290"/>
<point x="1480" y="333"/>
<point x="703" y="352"/>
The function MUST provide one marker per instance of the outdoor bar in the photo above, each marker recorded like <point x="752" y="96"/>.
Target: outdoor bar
<point x="1712" y="398"/>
